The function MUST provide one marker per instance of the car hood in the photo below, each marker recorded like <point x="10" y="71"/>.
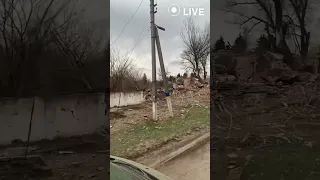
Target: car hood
<point x="152" y="172"/>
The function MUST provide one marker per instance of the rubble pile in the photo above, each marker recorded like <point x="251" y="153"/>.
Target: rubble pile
<point x="184" y="85"/>
<point x="148" y="94"/>
<point x="283" y="96"/>
<point x="268" y="67"/>
<point x="192" y="83"/>
<point x="275" y="105"/>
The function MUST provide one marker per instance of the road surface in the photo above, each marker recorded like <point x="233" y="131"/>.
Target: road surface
<point x="191" y="166"/>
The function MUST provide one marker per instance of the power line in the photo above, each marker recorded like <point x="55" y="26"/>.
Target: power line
<point x="137" y="43"/>
<point x="128" y="22"/>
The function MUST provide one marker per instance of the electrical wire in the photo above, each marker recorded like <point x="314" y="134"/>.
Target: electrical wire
<point x="137" y="43"/>
<point x="128" y="22"/>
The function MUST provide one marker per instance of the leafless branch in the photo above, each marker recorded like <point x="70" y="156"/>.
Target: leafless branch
<point x="197" y="46"/>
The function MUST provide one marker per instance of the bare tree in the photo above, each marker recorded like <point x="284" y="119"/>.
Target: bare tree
<point x="206" y="52"/>
<point x="272" y="17"/>
<point x="118" y="70"/>
<point x="197" y="45"/>
<point x="187" y="61"/>
<point x="160" y="73"/>
<point x="136" y="76"/>
<point x="123" y="71"/>
<point x="204" y="64"/>
<point x="281" y="18"/>
<point x="27" y="28"/>
<point x="77" y="44"/>
<point x="300" y="8"/>
<point x="46" y="48"/>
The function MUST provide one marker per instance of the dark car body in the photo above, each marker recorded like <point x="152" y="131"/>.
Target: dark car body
<point x="124" y="169"/>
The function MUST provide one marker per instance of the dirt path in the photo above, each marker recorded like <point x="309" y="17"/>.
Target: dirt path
<point x="194" y="165"/>
<point x="74" y="158"/>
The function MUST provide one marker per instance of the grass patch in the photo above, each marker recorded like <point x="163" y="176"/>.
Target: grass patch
<point x="131" y="138"/>
<point x="286" y="162"/>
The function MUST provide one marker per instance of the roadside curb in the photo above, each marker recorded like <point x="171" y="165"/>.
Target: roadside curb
<point x="182" y="150"/>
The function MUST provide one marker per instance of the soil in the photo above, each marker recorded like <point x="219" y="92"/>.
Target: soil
<point x="84" y="157"/>
<point x="149" y="158"/>
<point x="75" y="158"/>
<point x="124" y="117"/>
<point x="140" y="139"/>
<point x="140" y="115"/>
<point x="257" y="123"/>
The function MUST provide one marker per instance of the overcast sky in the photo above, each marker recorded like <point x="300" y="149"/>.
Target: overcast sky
<point x="122" y="10"/>
<point x="96" y="15"/>
<point x="171" y="43"/>
<point x="219" y="25"/>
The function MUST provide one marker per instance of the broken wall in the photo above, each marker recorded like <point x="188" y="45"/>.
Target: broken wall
<point x="266" y="64"/>
<point x="244" y="67"/>
<point x="238" y="64"/>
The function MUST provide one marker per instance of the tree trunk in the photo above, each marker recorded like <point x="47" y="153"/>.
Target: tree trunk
<point x="279" y="24"/>
<point x="198" y="72"/>
<point x="304" y="42"/>
<point x="204" y="73"/>
<point x="23" y="70"/>
<point x="197" y="66"/>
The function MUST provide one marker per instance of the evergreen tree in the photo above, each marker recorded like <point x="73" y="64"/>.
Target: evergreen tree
<point x="172" y="79"/>
<point x="240" y="44"/>
<point x="185" y="75"/>
<point x="193" y="75"/>
<point x="219" y="44"/>
<point x="144" y="79"/>
<point x="263" y="43"/>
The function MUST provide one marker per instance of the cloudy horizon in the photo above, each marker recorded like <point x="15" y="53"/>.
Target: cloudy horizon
<point x="121" y="11"/>
<point x="171" y="43"/>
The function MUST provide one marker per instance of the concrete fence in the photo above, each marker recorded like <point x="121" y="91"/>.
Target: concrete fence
<point x="63" y="116"/>
<point x="125" y="99"/>
<point x="58" y="116"/>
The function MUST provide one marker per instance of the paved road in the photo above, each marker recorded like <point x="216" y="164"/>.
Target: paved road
<point x="194" y="165"/>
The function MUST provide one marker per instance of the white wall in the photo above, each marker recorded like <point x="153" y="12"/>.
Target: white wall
<point x="58" y="116"/>
<point x="67" y="115"/>
<point x="125" y="99"/>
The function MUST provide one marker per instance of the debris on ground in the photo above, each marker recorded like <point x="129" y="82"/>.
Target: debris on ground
<point x="62" y="158"/>
<point x="190" y="101"/>
<point x="29" y="167"/>
<point x="273" y="107"/>
<point x="183" y="85"/>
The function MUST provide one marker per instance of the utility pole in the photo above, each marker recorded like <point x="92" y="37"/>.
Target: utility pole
<point x="153" y="56"/>
<point x="163" y="71"/>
